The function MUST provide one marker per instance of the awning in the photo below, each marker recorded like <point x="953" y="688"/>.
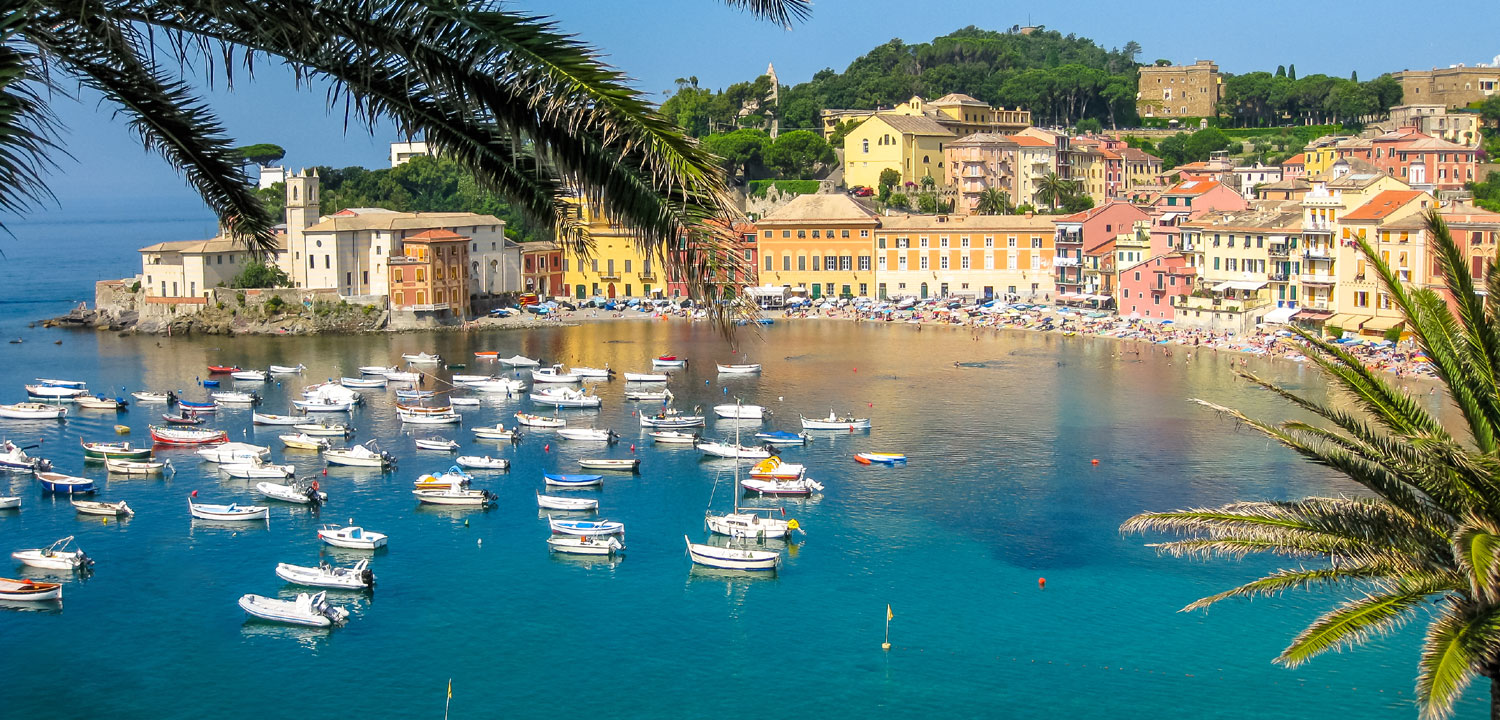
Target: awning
<point x="1100" y="298"/>
<point x="1280" y="316"/>
<point x="1380" y="324"/>
<point x="766" y="291"/>
<point x="1347" y="322"/>
<point x="1169" y="217"/>
<point x="1239" y="285"/>
<point x="1317" y="314"/>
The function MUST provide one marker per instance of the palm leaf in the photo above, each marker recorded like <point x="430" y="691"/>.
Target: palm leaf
<point x="1354" y="622"/>
<point x="1459" y="642"/>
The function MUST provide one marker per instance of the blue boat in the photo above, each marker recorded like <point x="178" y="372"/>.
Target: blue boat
<point x="782" y="437"/>
<point x="573" y="480"/>
<point x="210" y="383"/>
<point x="67" y="484"/>
<point x="209" y="406"/>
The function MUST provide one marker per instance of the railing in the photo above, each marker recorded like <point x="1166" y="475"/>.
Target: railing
<point x="1279" y="251"/>
<point x="427" y="307"/>
<point x="1316" y="252"/>
<point x="1065" y="262"/>
<point x="1277" y="277"/>
<point x="648" y="275"/>
<point x="610" y="276"/>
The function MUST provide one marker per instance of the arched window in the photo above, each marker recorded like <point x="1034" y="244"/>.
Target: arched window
<point x="865" y="145"/>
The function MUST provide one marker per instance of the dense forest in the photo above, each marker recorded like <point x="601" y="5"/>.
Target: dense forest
<point x="1262" y="99"/>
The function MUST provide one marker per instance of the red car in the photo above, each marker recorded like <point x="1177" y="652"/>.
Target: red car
<point x="863" y="192"/>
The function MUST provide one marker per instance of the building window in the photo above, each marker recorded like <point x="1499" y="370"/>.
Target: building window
<point x="768" y="263"/>
<point x="786" y="263"/>
<point x="830" y="263"/>
<point x="842" y="233"/>
<point x="864" y="264"/>
<point x="801" y="263"/>
<point x="881" y="263"/>
<point x="922" y="262"/>
<point x="1361" y="298"/>
<point x="963" y="261"/>
<point x="943" y="262"/>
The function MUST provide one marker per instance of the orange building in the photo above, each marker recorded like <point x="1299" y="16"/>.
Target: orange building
<point x="432" y="274"/>
<point x="542" y="269"/>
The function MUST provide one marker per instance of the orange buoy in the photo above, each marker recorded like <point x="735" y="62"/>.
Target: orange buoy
<point x="1095" y="461"/>
<point x="1041" y="583"/>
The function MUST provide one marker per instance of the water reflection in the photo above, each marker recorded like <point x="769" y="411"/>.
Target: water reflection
<point x="48" y="607"/>
<point x="311" y="638"/>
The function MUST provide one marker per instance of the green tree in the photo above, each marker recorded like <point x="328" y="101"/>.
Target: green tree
<point x="1052" y="189"/>
<point x="890" y="177"/>
<point x="1489" y="110"/>
<point x="1281" y="71"/>
<point x="992" y="201"/>
<point x="840" y="131"/>
<point x="1205" y="142"/>
<point x="1423" y="541"/>
<point x="927" y="203"/>
<point x="1291" y="71"/>
<point x="1173" y="151"/>
<point x="741" y="151"/>
<point x="261" y="153"/>
<point x="798" y="154"/>
<point x="258" y="274"/>
<point x="1077" y="202"/>
<point x="899" y="201"/>
<point x="1089" y="126"/>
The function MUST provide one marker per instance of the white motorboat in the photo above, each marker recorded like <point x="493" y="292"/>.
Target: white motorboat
<point x="136" y="467"/>
<point x="14" y="457"/>
<point x="260" y="418"/>
<point x="466" y="379"/>
<point x="55" y="392"/>
<point x="772" y="467"/>
<point x="647" y="396"/>
<point x="616" y="464"/>
<point x="668" y="361"/>
<point x="301" y="493"/>
<point x="732" y="558"/>
<point x="236" y="398"/>
<point x="801" y="486"/>
<point x="498" y="432"/>
<point x="60" y="555"/>
<point x="232" y="512"/>
<point x="565" y="397"/>
<point x="500" y="385"/>
<point x="32" y="411"/>
<point x="670" y="418"/>
<point x="553" y="374"/>
<point x="54" y="382"/>
<point x="646" y="377"/>
<point x="552" y="502"/>
<point x="520" y="361"/>
<point x="834" y="421"/>
<point x="324" y="429"/>
<point x="91" y="507"/>
<point x="672" y="437"/>
<point x="9" y="502"/>
<point x="26" y="590"/>
<point x="585" y="545"/>
<point x="454" y="496"/>
<point x="310" y="610"/>
<point x="359" y="456"/>
<point x="439" y="444"/>
<point x="256" y="470"/>
<point x="726" y="450"/>
<point x="589" y="434"/>
<point x="422" y="358"/>
<point x="541" y="421"/>
<point x="464" y="402"/>
<point x="353" y="537"/>
<point x="303" y="441"/>
<point x="287" y="369"/>
<point x="740" y="412"/>
<point x="484" y="462"/>
<point x="358" y="577"/>
<point x="323" y="405"/>
<point x="234" y="452"/>
<point x="147" y="396"/>
<point x="99" y="402"/>
<point x="585" y="527"/>
<point x="421" y="418"/>
<point x="377" y="369"/>
<point x="363" y="383"/>
<point x="746" y="369"/>
<point x="589" y="373"/>
<point x="403" y="376"/>
<point x="251" y="375"/>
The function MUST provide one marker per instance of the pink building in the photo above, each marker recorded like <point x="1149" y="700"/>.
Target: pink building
<point x="1148" y="289"/>
<point x="1416" y="159"/>
<point x="1188" y="200"/>
<point x="1090" y="234"/>
<point x="1294" y="167"/>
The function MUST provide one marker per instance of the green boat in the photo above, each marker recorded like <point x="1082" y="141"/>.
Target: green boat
<point x="457" y="366"/>
<point x="113" y="451"/>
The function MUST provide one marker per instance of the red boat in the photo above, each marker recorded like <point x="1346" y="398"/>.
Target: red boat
<point x="187" y="436"/>
<point x="222" y="369"/>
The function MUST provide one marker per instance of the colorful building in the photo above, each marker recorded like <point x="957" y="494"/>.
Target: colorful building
<point x="973" y="257"/>
<point x="1364" y="305"/>
<point x="957" y="113"/>
<point x="542" y="269"/>
<point x="1082" y="242"/>
<point x="1245" y="266"/>
<point x="819" y="245"/>
<point x="1419" y="160"/>
<point x="724" y="275"/>
<point x="1141" y="168"/>
<point x="911" y="145"/>
<point x="431" y="276"/>
<point x="982" y="162"/>
<point x="1152" y="290"/>
<point x="615" y="267"/>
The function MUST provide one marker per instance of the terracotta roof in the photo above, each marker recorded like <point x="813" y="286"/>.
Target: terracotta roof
<point x="402" y="221"/>
<point x="1138" y="155"/>
<point x="1382" y="205"/>
<point x="1030" y="141"/>
<point x="984" y="139"/>
<point x="913" y="125"/>
<point x="1091" y="213"/>
<point x="966" y="223"/>
<point x="438" y="235"/>
<point x="1298" y="159"/>
<point x="818" y="208"/>
<point x="1192" y="187"/>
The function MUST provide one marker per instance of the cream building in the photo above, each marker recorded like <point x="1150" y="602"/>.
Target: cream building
<point x="190" y="268"/>
<point x="1179" y="91"/>
<point x="1245" y="270"/>
<point x="1346" y="185"/>
<point x="1382" y="222"/>
<point x="973" y="256"/>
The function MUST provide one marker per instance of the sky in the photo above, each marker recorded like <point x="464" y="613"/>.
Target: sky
<point x="657" y="41"/>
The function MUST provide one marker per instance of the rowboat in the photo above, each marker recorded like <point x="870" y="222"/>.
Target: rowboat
<point x="565" y="397"/>
<point x="465" y="379"/>
<point x="416" y="418"/>
<point x="236" y="398"/>
<point x="585" y="545"/>
<point x="260" y="418"/>
<point x="186" y="436"/>
<point x="645" y="396"/>
<point x="730" y="558"/>
<point x="54" y="382"/>
<point x="866" y="458"/>
<point x="802" y="486"/>
<point x="309" y="610"/>
<point x="287" y="369"/>
<point x="498" y="385"/>
<point x="54" y="392"/>
<point x="183" y="419"/>
<point x="358" y="577"/>
<point x="726" y="450"/>
<point x="376" y="370"/>
<point x="646" y="377"/>
<point x="589" y="434"/>
<point x="324" y="429"/>
<point x="439" y="444"/>
<point x="403" y="376"/>
<point x="353" y="537"/>
<point x="452" y="477"/>
<point x="520" y="361"/>
<point x="323" y="405"/>
<point x="668" y="361"/>
<point x="671" y="419"/>
<point x="256" y="470"/>
<point x="363" y="383"/>
<point x="589" y="373"/>
<point x="251" y="375"/>
<point x="454" y="496"/>
<point x="551" y="502"/>
<point x="9" y="502"/>
<point x="233" y="512"/>
<point x="464" y="401"/>
<point x="296" y="492"/>
<point x="14" y="457"/>
<point x="90" y="507"/>
<point x="740" y="412"/>
<point x="573" y="480"/>
<point x="738" y="369"/>
<point x="235" y="452"/>
<point x="487" y="354"/>
<point x="99" y="402"/>
<point x="410" y="393"/>
<point x="113" y="451"/>
<point x="29" y="590"/>
<point x="585" y="527"/>
<point x="424" y="409"/>
<point x="32" y="411"/>
<point x="625" y="464"/>
<point x="65" y="484"/>
<point x="57" y="556"/>
<point x="782" y="437"/>
<point x="498" y="432"/>
<point x="835" y="422"/>
<point x="135" y="467"/>
<point x="422" y="358"/>
<point x="541" y="421"/>
<point x="672" y="437"/>
<point x="209" y="383"/>
<point x="223" y="369"/>
<point x="359" y="456"/>
<point x="478" y="462"/>
<point x="303" y="441"/>
<point x="147" y="396"/>
<point x="197" y="407"/>
<point x="774" y="468"/>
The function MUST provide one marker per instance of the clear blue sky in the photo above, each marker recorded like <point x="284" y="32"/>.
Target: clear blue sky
<point x="658" y="40"/>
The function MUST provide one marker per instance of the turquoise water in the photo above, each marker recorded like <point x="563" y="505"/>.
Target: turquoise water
<point x="999" y="492"/>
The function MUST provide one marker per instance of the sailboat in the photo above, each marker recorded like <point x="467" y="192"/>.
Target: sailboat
<point x="740" y="525"/>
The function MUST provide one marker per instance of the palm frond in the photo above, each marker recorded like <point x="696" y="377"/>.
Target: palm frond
<point x="781" y="12"/>
<point x="1354" y="622"/>
<point x="1343" y="575"/>
<point x="1459" y="642"/>
<point x="28" y="129"/>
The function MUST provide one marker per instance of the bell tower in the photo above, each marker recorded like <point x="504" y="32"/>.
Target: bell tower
<point x="302" y="211"/>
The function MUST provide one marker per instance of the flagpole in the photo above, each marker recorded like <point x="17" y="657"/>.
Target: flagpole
<point x="887" y="644"/>
<point x="449" y="701"/>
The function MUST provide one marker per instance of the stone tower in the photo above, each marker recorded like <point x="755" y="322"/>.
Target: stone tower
<point x="302" y="211"/>
<point x="774" y="99"/>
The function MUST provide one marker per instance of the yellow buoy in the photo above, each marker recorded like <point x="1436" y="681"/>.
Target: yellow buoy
<point x="122" y="429"/>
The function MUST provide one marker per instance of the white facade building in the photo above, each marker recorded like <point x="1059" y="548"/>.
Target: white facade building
<point x="403" y="151"/>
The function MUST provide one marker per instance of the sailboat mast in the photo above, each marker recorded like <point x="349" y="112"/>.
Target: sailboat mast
<point x="738" y="405"/>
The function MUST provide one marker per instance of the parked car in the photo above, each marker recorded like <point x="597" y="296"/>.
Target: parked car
<point x="863" y="192"/>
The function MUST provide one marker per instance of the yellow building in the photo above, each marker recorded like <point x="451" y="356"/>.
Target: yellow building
<point x="615" y="268"/>
<point x="971" y="256"/>
<point x="913" y="146"/>
<point x="1346" y="186"/>
<point x="1320" y="154"/>
<point x="819" y="245"/>
<point x="958" y="113"/>
<point x="1364" y="306"/>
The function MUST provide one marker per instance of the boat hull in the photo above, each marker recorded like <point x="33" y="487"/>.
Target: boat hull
<point x="229" y="513"/>
<point x="732" y="559"/>
<point x="357" y="578"/>
<point x="29" y="591"/>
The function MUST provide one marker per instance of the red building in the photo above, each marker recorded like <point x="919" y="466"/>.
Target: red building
<point x="727" y="276"/>
<point x="542" y="269"/>
<point x="1151" y="289"/>
<point x="1416" y="159"/>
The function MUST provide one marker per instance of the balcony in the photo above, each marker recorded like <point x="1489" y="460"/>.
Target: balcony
<point x="1065" y="262"/>
<point x="1279" y="251"/>
<point x="1223" y="304"/>
<point x="1318" y="225"/>
<point x="1278" y="277"/>
<point x="609" y="276"/>
<point x="1316" y="252"/>
<point x="648" y="276"/>
<point x="1316" y="279"/>
<point x="429" y="307"/>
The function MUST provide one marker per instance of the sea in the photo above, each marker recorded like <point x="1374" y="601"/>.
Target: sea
<point x="1026" y="452"/>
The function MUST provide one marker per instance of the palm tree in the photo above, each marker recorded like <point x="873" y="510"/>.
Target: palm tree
<point x="993" y="201"/>
<point x="1052" y="189"/>
<point x="1425" y="537"/>
<point x="535" y="115"/>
